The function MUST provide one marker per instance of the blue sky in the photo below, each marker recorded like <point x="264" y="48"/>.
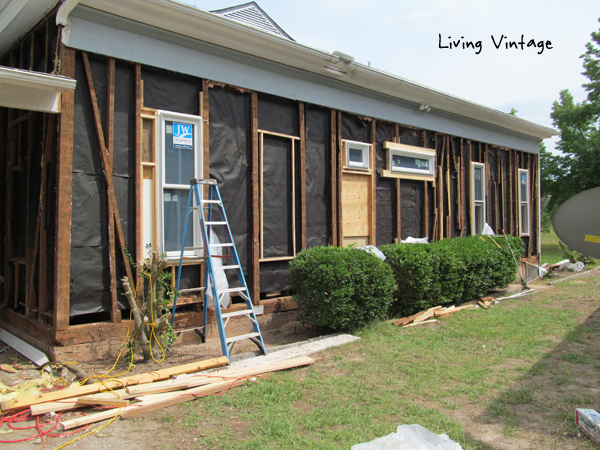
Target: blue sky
<point x="402" y="38"/>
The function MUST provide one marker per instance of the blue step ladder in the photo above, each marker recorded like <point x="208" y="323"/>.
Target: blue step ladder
<point x="212" y="215"/>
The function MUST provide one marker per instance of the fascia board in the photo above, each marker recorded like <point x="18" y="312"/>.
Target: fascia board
<point x="197" y="24"/>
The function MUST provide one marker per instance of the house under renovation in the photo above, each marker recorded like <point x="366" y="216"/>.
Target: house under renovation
<point x="109" y="107"/>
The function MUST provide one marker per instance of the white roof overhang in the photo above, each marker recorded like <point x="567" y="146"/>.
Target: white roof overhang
<point x="194" y="23"/>
<point x="33" y="91"/>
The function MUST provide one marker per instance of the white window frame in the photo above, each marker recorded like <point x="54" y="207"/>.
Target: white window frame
<point x="196" y="121"/>
<point x="366" y="155"/>
<point x="522" y="202"/>
<point x="413" y="152"/>
<point x="474" y="202"/>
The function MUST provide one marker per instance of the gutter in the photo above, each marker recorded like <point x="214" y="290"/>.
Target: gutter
<point x="62" y="15"/>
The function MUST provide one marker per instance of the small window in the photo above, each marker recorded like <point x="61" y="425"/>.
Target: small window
<point x="409" y="161"/>
<point x="524" y="201"/>
<point x="478" y="198"/>
<point x="357" y="155"/>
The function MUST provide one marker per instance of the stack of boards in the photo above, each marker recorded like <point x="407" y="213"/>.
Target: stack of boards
<point x="438" y="312"/>
<point x="138" y="394"/>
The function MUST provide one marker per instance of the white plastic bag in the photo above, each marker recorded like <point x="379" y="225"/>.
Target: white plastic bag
<point x="220" y="277"/>
<point x="487" y="230"/>
<point x="373" y="251"/>
<point x="412" y="240"/>
<point x="410" y="437"/>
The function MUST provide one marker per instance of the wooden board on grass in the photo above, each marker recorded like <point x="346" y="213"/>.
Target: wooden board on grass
<point x="163" y="374"/>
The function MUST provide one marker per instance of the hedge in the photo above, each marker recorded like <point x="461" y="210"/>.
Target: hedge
<point x="340" y="288"/>
<point x="450" y="270"/>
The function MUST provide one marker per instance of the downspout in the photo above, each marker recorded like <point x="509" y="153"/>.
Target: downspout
<point x="62" y="21"/>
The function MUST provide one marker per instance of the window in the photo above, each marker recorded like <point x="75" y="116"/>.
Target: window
<point x="410" y="159"/>
<point x="180" y="159"/>
<point x="478" y="195"/>
<point x="357" y="155"/>
<point x="524" y="201"/>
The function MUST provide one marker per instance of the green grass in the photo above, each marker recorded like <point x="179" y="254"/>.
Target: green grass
<point x="500" y="362"/>
<point x="551" y="253"/>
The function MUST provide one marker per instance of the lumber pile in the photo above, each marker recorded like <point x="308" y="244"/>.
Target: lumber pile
<point x="138" y="394"/>
<point x="432" y="315"/>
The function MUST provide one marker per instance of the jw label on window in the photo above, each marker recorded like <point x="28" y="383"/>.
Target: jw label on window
<point x="183" y="135"/>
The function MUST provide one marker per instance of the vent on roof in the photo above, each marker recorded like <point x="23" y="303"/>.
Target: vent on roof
<point x="252" y="15"/>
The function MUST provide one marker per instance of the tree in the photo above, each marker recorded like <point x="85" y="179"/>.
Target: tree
<point x="578" y="167"/>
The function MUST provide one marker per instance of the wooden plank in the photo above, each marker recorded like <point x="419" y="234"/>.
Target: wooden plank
<point x="420" y="323"/>
<point x="102" y="401"/>
<point x="256" y="222"/>
<point x="396" y="139"/>
<point x="334" y="179"/>
<point x="373" y="187"/>
<point x="530" y="188"/>
<point x="180" y="397"/>
<point x="389" y="174"/>
<point x="222" y="375"/>
<point x="440" y="202"/>
<point x="205" y="114"/>
<point x="425" y="209"/>
<point x="302" y="168"/>
<point x="139" y="138"/>
<point x="115" y="314"/>
<point x="293" y="198"/>
<point x="78" y="391"/>
<point x="62" y="273"/>
<point x="72" y="403"/>
<point x="470" y="185"/>
<point x="287" y="136"/>
<point x="112" y="201"/>
<point x="340" y="163"/>
<point x="488" y="190"/>
<point x="43" y="259"/>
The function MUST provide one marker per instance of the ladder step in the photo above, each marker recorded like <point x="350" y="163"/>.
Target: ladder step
<point x="241" y="337"/>
<point x="192" y="289"/>
<point x="221" y="245"/>
<point x="215" y="223"/>
<point x="244" y="312"/>
<point x="211" y="201"/>
<point x="230" y="267"/>
<point x="236" y="289"/>
<point x="193" y="248"/>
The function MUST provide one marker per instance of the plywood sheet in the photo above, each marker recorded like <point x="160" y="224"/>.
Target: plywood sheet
<point x="355" y="204"/>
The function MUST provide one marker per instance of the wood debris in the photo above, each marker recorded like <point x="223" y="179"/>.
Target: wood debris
<point x="146" y="392"/>
<point x="440" y="312"/>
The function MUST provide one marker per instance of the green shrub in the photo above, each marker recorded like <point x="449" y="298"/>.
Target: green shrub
<point x="574" y="256"/>
<point x="450" y="270"/>
<point x="414" y="272"/>
<point x="340" y="288"/>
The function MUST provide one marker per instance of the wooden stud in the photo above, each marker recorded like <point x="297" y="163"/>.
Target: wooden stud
<point x="62" y="273"/>
<point x="450" y="147"/>
<point x="470" y="185"/>
<point x="531" y="218"/>
<point x="256" y="180"/>
<point x="302" y="118"/>
<point x="373" y="186"/>
<point x="30" y="249"/>
<point x="293" y="197"/>
<point x="340" y="164"/>
<point x="396" y="139"/>
<point x="261" y="202"/>
<point x="139" y="176"/>
<point x="112" y="202"/>
<point x="334" y="179"/>
<point x="486" y="165"/>
<point x="115" y="314"/>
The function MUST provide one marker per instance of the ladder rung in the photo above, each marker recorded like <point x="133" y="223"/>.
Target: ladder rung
<point x="192" y="289"/>
<point x="242" y="336"/>
<point x="193" y="248"/>
<point x="236" y="289"/>
<point x="230" y="267"/>
<point x="215" y="223"/>
<point x="244" y="312"/>
<point x="221" y="245"/>
<point x="211" y="201"/>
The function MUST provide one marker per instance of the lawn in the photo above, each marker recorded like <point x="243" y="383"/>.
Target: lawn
<point x="551" y="253"/>
<point x="507" y="377"/>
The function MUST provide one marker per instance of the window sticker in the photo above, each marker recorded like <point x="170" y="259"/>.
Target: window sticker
<point x="183" y="135"/>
